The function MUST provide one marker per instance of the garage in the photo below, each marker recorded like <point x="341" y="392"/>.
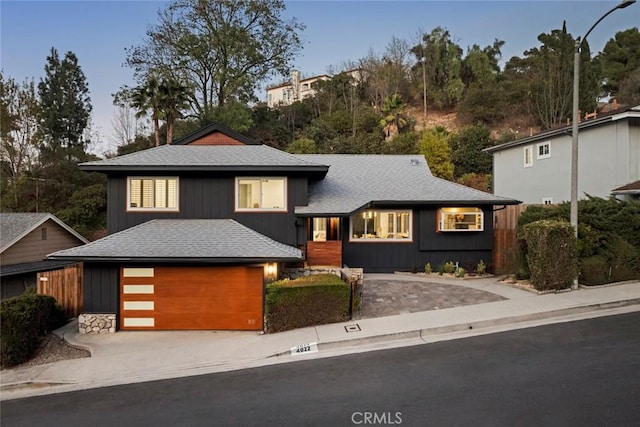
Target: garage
<point x="191" y="298"/>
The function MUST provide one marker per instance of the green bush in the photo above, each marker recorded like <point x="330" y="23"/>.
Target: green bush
<point x="481" y="268"/>
<point x="551" y="254"/>
<point x="608" y="231"/>
<point x="24" y="320"/>
<point x="449" y="267"/>
<point x="306" y="301"/>
<point x="594" y="270"/>
<point x="460" y="272"/>
<point x="427" y="268"/>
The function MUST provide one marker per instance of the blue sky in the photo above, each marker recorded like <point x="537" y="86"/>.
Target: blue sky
<point x="336" y="32"/>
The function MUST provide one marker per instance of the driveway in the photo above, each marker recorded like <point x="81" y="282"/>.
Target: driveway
<point x="388" y="295"/>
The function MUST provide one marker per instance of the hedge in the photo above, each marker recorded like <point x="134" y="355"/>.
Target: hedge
<point x="551" y="254"/>
<point x="609" y="239"/>
<point x="24" y="320"/>
<point x="306" y="301"/>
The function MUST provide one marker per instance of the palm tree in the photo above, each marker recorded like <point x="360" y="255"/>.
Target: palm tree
<point x="174" y="98"/>
<point x="146" y="100"/>
<point x="394" y="117"/>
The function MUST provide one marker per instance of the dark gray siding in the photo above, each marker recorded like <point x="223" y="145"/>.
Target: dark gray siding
<point x="466" y="248"/>
<point x="205" y="197"/>
<point x="101" y="288"/>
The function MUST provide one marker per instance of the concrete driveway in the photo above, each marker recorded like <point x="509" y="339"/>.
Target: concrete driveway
<point x="392" y="294"/>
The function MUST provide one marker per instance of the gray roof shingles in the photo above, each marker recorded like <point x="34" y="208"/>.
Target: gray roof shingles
<point x="214" y="240"/>
<point x="354" y="181"/>
<point x="15" y="225"/>
<point x="204" y="156"/>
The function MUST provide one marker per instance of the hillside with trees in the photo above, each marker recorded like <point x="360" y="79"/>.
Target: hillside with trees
<point x="203" y="62"/>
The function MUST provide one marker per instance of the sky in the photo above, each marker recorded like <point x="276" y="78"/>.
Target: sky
<point x="336" y="32"/>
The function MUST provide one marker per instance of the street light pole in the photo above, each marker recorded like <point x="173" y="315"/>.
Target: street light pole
<point x="573" y="217"/>
<point x="424" y="89"/>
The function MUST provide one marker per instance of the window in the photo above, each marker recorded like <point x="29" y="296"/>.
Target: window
<point x="324" y="229"/>
<point x="377" y="225"/>
<point x="261" y="194"/>
<point x="528" y="156"/>
<point x="544" y="150"/>
<point x="158" y="194"/>
<point x="547" y="200"/>
<point x="460" y="219"/>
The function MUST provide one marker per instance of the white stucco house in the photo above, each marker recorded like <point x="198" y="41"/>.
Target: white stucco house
<point x="537" y="169"/>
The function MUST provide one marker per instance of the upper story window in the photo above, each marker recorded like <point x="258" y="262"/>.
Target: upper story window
<point x="547" y="200"/>
<point x="261" y="194"/>
<point x="152" y="193"/>
<point x="528" y="156"/>
<point x="460" y="219"/>
<point x="544" y="150"/>
<point x="378" y="225"/>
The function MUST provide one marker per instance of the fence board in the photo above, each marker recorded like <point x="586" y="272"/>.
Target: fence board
<point x="505" y="224"/>
<point x="65" y="285"/>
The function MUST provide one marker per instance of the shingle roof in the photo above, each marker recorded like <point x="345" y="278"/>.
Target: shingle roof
<point x="201" y="240"/>
<point x="631" y="188"/>
<point x="207" y="157"/>
<point x="15" y="225"/>
<point x="355" y="181"/>
<point x="33" y="267"/>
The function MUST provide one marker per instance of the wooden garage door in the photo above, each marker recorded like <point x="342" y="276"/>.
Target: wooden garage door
<point x="170" y="298"/>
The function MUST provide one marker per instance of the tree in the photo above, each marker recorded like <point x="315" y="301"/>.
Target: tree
<point x="466" y="150"/>
<point x="619" y="59"/>
<point x="435" y="148"/>
<point x="545" y="78"/>
<point x="302" y="146"/>
<point x="19" y="116"/>
<point x="66" y="105"/>
<point x="394" y="119"/>
<point x="125" y="125"/>
<point x="146" y="99"/>
<point x="223" y="49"/>
<point x="443" y="62"/>
<point x="174" y="98"/>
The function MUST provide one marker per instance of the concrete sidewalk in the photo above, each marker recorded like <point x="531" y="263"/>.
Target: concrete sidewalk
<point x="131" y="357"/>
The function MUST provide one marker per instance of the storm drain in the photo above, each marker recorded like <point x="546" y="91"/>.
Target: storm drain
<point x="352" y="328"/>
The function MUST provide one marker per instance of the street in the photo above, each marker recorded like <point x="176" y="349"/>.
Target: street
<point x="584" y="373"/>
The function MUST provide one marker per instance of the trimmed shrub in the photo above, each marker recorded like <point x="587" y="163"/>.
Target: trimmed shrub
<point x="449" y="267"/>
<point x="427" y="268"/>
<point x="306" y="301"/>
<point x="24" y="320"/>
<point x="481" y="268"/>
<point x="594" y="271"/>
<point x="551" y="254"/>
<point x="625" y="260"/>
<point x="460" y="272"/>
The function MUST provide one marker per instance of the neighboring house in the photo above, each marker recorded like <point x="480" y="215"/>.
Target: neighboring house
<point x="537" y="169"/>
<point x="196" y="230"/>
<point x="25" y="241"/>
<point x="294" y="90"/>
<point x="298" y="89"/>
<point x="629" y="192"/>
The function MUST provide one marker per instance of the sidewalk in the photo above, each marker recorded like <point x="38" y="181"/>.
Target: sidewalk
<point x="131" y="357"/>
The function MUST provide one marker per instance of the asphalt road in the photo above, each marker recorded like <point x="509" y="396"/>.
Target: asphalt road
<point x="584" y="373"/>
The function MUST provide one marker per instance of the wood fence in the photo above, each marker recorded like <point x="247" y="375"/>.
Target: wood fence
<point x="65" y="285"/>
<point x="505" y="224"/>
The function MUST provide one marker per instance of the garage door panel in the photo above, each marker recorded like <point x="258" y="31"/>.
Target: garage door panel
<point x="194" y="298"/>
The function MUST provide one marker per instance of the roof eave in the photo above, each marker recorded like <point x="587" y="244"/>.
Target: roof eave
<point x="315" y="169"/>
<point x="197" y="260"/>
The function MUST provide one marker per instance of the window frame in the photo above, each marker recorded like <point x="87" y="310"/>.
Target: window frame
<point x="547" y="200"/>
<point x="408" y="239"/>
<point x="153" y="209"/>
<point x="236" y="194"/>
<point x="464" y="210"/>
<point x="529" y="149"/>
<point x="545" y="155"/>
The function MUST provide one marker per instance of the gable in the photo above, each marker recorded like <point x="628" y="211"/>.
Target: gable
<point x="215" y="134"/>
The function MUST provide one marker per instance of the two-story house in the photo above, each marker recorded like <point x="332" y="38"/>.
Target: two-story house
<point x="537" y="169"/>
<point x="196" y="228"/>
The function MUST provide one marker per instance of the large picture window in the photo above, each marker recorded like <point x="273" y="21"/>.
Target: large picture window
<point x="261" y="194"/>
<point x="460" y="219"/>
<point x="378" y="225"/>
<point x="152" y="193"/>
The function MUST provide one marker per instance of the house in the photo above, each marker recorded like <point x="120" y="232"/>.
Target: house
<point x="25" y="241"/>
<point x="196" y="229"/>
<point x="297" y="89"/>
<point x="537" y="169"/>
<point x="294" y="90"/>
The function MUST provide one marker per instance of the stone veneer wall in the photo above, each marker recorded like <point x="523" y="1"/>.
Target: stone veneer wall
<point x="97" y="323"/>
